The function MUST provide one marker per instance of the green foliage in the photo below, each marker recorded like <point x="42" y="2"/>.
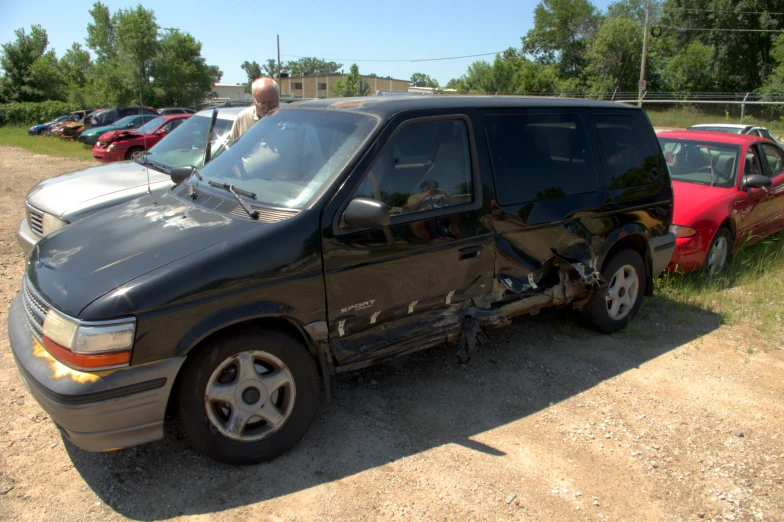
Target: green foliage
<point x="30" y="113"/>
<point x="509" y="73"/>
<point x="561" y="32"/>
<point x="614" y="56"/>
<point x="31" y="72"/>
<point x="182" y="76"/>
<point x="691" y="69"/>
<point x="312" y="67"/>
<point x="423" y="80"/>
<point x="349" y="85"/>
<point x="253" y="70"/>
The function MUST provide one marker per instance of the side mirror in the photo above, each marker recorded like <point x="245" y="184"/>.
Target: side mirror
<point x="180" y="174"/>
<point x="160" y="132"/>
<point x="365" y="213"/>
<point x="755" y="181"/>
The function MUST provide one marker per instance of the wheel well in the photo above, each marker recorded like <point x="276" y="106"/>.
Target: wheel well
<point x="729" y="224"/>
<point x="637" y="243"/>
<point x="279" y="324"/>
<point x="132" y="150"/>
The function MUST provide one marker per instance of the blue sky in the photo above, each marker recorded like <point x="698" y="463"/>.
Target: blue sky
<point x="232" y="31"/>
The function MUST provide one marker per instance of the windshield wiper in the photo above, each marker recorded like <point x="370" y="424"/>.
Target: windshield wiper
<point x="254" y="214"/>
<point x="157" y="166"/>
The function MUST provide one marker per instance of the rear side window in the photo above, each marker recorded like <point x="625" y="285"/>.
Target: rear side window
<point x="539" y="156"/>
<point x="628" y="154"/>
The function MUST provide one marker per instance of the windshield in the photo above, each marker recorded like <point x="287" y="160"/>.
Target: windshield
<point x="151" y="125"/>
<point x="703" y="163"/>
<point x="185" y="144"/>
<point x="122" y="122"/>
<point x="717" y="128"/>
<point x="288" y="157"/>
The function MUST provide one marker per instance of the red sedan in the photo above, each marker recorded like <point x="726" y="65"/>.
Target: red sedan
<point x="129" y="144"/>
<point x="727" y="188"/>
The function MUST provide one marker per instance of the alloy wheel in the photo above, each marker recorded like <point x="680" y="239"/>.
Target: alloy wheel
<point x="622" y="292"/>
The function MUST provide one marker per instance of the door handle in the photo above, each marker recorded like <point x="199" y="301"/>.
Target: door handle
<point x="469" y="252"/>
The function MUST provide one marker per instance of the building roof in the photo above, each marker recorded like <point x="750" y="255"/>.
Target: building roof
<point x="364" y="77"/>
<point x="386" y="106"/>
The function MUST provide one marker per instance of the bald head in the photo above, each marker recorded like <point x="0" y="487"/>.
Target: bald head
<point x="266" y="95"/>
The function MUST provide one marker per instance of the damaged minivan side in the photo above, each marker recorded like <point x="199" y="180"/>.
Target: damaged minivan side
<point x="333" y="236"/>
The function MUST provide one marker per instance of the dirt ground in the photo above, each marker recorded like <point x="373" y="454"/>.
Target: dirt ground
<point x="677" y="418"/>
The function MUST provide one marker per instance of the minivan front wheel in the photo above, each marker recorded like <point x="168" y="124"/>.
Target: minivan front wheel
<point x="613" y="305"/>
<point x="248" y="397"/>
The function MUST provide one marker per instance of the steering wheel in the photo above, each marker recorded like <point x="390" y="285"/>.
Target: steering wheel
<point x="704" y="169"/>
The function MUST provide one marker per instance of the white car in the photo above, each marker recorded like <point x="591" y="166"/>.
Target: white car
<point x="737" y="128"/>
<point x="58" y="201"/>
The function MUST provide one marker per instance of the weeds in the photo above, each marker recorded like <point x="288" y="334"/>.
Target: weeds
<point x="48" y="145"/>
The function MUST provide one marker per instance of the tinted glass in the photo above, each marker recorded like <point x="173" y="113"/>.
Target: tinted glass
<point x="122" y="122"/>
<point x="700" y="162"/>
<point x="423" y="167"/>
<point x="628" y="155"/>
<point x="149" y="128"/>
<point x="289" y="157"/>
<point x="537" y="157"/>
<point x="752" y="166"/>
<point x="773" y="156"/>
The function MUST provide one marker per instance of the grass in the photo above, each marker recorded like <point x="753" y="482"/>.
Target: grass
<point x="49" y="145"/>
<point x="748" y="293"/>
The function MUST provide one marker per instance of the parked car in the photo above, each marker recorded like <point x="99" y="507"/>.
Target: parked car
<point x="118" y="145"/>
<point x="728" y="189"/>
<point x="56" y="202"/>
<point x="748" y="130"/>
<point x="75" y="116"/>
<point x="90" y="137"/>
<point x="43" y="128"/>
<point x="72" y="130"/>
<point x="335" y="234"/>
<point x="109" y="116"/>
<point x="175" y="110"/>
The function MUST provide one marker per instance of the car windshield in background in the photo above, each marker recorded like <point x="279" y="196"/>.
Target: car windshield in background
<point x="718" y="128"/>
<point x="185" y="145"/>
<point x="150" y="126"/>
<point x="122" y="122"/>
<point x="703" y="163"/>
<point x="289" y="157"/>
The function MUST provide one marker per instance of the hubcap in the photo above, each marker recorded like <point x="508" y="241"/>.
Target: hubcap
<point x="250" y="396"/>
<point x="622" y="292"/>
<point x="136" y="155"/>
<point x="717" y="256"/>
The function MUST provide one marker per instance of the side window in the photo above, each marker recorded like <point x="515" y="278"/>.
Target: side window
<point x="173" y="124"/>
<point x="628" y="154"/>
<point x="752" y="164"/>
<point x="538" y="157"/>
<point x="774" y="158"/>
<point x="423" y="167"/>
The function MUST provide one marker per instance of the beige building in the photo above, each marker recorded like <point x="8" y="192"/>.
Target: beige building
<point x="321" y="86"/>
<point x="229" y="91"/>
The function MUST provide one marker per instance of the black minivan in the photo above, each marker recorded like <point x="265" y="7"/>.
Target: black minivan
<point x="332" y="235"/>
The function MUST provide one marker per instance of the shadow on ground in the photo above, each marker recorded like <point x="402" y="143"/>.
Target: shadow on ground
<point x="386" y="413"/>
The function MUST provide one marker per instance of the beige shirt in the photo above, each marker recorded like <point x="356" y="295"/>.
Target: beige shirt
<point x="245" y="120"/>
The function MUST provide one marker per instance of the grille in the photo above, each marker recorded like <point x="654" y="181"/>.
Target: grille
<point x="266" y="215"/>
<point x="35" y="310"/>
<point x="35" y="218"/>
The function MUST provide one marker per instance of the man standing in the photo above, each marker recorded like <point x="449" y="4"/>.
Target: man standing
<point x="266" y="98"/>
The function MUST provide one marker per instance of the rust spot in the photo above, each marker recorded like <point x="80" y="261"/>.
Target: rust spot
<point x="59" y="370"/>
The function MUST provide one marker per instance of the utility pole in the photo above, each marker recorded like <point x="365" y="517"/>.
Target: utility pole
<point x="279" y="81"/>
<point x="641" y="84"/>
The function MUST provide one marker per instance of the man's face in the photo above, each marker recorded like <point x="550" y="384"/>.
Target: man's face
<point x="265" y="100"/>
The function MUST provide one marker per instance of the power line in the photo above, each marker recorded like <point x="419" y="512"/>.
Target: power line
<point x="676" y="9"/>
<point x="678" y="29"/>
<point x="400" y="60"/>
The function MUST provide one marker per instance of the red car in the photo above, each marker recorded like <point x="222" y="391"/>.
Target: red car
<point x="121" y="145"/>
<point x="727" y="188"/>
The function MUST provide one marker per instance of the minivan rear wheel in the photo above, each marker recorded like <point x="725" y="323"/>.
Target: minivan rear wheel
<point x="614" y="304"/>
<point x="248" y="397"/>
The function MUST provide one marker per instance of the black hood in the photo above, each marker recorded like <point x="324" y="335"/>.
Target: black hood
<point x="85" y="260"/>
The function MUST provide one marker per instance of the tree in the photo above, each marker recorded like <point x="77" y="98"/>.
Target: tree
<point x="312" y="67"/>
<point x="635" y="10"/>
<point x="349" y="85"/>
<point x="423" y="80"/>
<point x="253" y="71"/>
<point x="182" y="76"/>
<point x="691" y="69"/>
<point x="31" y="72"/>
<point x="614" y="56"/>
<point x="510" y="72"/>
<point x="560" y="34"/>
<point x="78" y="73"/>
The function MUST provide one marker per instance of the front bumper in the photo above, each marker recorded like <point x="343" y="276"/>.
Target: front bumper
<point x="26" y="237"/>
<point x="98" y="411"/>
<point x="690" y="252"/>
<point x="661" y="249"/>
<point x="105" y="155"/>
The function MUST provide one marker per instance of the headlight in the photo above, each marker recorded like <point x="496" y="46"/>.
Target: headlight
<point x="51" y="223"/>
<point x="110" y="147"/>
<point x="680" y="231"/>
<point x="89" y="346"/>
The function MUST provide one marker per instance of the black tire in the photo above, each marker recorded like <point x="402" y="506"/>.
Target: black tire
<point x="132" y="151"/>
<point x="723" y="236"/>
<point x="207" y="437"/>
<point x="596" y="312"/>
<point x="41" y="132"/>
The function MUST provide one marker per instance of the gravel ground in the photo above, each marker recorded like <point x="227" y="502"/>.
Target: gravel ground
<point x="673" y="419"/>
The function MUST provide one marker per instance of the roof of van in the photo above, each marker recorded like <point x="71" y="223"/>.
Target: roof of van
<point x="386" y="106"/>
